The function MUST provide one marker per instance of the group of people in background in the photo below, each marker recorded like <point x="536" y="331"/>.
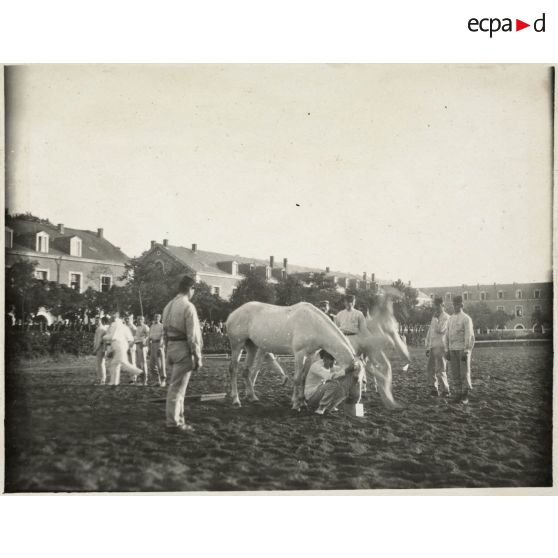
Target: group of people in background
<point x="131" y="346"/>
<point x="450" y="338"/>
<point x="173" y="337"/>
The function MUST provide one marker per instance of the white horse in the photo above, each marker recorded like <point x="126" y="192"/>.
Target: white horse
<point x="371" y="344"/>
<point x="300" y="330"/>
<point x="382" y="334"/>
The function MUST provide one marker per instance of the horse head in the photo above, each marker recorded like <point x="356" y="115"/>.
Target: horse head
<point x="355" y="376"/>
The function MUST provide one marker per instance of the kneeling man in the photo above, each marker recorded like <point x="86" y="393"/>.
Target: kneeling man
<point x="324" y="388"/>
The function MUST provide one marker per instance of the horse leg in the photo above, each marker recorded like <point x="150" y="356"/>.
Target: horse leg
<point x="298" y="381"/>
<point x="236" y="354"/>
<point x="382" y="373"/>
<point x="254" y="359"/>
<point x="271" y="361"/>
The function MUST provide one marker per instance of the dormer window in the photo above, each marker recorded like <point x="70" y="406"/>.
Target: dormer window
<point x="234" y="268"/>
<point x="75" y="246"/>
<point x="9" y="238"/>
<point x="41" y="242"/>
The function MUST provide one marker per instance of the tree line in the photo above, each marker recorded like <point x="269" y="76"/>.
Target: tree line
<point x="148" y="288"/>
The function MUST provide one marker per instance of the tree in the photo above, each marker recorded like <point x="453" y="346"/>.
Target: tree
<point x="20" y="280"/>
<point x="482" y="316"/>
<point x="209" y="305"/>
<point x="405" y="302"/>
<point x="290" y="291"/>
<point x="252" y="287"/>
<point x="540" y="319"/>
<point x="499" y="319"/>
<point x="149" y="286"/>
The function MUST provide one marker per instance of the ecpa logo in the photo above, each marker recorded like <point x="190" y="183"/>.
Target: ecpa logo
<point x="494" y="24"/>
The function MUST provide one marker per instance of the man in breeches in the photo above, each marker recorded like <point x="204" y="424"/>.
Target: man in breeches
<point x="436" y="349"/>
<point x="157" y="351"/>
<point x="184" y="343"/>
<point x="461" y="339"/>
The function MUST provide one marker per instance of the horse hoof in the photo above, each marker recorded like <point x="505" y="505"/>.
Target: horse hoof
<point x="236" y="404"/>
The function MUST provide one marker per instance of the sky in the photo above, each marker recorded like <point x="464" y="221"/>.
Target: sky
<point x="435" y="174"/>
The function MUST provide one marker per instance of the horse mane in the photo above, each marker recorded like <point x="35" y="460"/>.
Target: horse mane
<point x="332" y="324"/>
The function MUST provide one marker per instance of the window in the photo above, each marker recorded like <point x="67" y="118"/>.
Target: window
<point x="500" y="294"/>
<point x="538" y="308"/>
<point x="432" y="296"/>
<point x="519" y="293"/>
<point x="465" y="296"/>
<point x="41" y="243"/>
<point x="216" y="290"/>
<point x="519" y="311"/>
<point x="106" y="283"/>
<point x="9" y="238"/>
<point x="75" y="281"/>
<point x="483" y="295"/>
<point x="448" y="296"/>
<point x="501" y="308"/>
<point x="537" y="293"/>
<point x="159" y="264"/>
<point x="75" y="246"/>
<point x="252" y="267"/>
<point x="41" y="274"/>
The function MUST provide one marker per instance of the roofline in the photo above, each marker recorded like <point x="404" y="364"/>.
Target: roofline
<point x="65" y="258"/>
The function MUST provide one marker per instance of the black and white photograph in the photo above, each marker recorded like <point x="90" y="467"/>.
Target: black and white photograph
<point x="244" y="278"/>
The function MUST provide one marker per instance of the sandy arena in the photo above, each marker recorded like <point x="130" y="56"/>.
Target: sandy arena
<point x="65" y="434"/>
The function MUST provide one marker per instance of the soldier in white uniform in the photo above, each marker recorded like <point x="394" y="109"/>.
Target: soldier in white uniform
<point x="436" y="348"/>
<point x="99" y="351"/>
<point x="461" y="339"/>
<point x="129" y="322"/>
<point x="141" y="337"/>
<point x="119" y="340"/>
<point x="350" y="321"/>
<point x="157" y="351"/>
<point x="183" y="337"/>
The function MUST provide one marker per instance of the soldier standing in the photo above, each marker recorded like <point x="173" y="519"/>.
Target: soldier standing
<point x="184" y="342"/>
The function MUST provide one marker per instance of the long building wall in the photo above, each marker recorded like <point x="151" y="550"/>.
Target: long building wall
<point x="518" y="299"/>
<point x="59" y="269"/>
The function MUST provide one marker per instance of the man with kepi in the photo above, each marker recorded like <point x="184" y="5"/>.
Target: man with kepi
<point x="436" y="348"/>
<point x="184" y="343"/>
<point x="461" y="339"/>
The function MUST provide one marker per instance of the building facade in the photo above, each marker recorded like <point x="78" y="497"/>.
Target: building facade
<point x="77" y="258"/>
<point x="520" y="300"/>
<point x="223" y="272"/>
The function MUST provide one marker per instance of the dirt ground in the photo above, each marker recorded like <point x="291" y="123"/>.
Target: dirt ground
<point x="65" y="434"/>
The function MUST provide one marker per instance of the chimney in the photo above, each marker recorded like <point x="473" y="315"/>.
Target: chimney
<point x="61" y="228"/>
<point x="271" y="261"/>
<point x="327" y="269"/>
<point x="373" y="277"/>
<point x="100" y="233"/>
<point x="165" y="242"/>
<point x="153" y="243"/>
<point x="364" y="276"/>
<point x="194" y="248"/>
<point x="285" y="263"/>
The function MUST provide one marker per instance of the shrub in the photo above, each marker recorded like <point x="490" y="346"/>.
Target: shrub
<point x="33" y="344"/>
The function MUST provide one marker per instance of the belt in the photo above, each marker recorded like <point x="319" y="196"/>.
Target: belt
<point x="349" y="333"/>
<point x="138" y="342"/>
<point x="155" y="340"/>
<point x="177" y="339"/>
